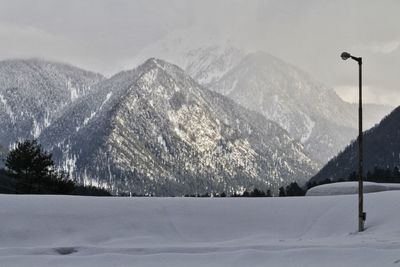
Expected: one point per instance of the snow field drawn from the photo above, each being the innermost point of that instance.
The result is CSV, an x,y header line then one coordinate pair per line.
x,y
303,231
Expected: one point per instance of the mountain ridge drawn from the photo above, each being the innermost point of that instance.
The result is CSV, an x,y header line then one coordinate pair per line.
x,y
166,119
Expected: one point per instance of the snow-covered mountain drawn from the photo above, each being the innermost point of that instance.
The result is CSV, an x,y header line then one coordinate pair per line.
x,y
154,130
308,110
34,92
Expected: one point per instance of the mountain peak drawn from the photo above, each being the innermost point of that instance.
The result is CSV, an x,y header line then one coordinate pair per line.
x,y
156,63
154,130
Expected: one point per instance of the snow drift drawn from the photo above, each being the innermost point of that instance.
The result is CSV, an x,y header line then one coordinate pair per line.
x,y
349,188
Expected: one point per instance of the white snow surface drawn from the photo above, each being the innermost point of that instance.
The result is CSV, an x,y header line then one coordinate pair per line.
x,y
299,231
349,188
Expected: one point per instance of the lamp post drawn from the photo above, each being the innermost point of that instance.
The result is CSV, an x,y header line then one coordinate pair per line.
x,y
361,213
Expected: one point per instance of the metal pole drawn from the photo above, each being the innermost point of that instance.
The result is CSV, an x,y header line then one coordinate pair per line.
x,y
361,214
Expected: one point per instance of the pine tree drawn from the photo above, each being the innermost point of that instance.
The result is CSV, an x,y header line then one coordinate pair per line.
x,y
29,165
34,171
294,190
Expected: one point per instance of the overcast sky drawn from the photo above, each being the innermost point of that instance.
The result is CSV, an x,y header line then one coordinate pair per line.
x,y
100,35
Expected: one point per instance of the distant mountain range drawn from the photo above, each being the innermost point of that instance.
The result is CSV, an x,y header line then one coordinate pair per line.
x,y
312,113
246,120
381,149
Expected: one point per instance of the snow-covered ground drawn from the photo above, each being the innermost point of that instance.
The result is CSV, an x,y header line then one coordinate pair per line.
x,y
304,231
349,188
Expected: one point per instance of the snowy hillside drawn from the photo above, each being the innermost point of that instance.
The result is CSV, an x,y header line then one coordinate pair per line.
x,y
34,92
305,231
154,130
381,150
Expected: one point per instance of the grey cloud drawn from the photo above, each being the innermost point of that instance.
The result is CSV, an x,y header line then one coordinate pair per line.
x,y
101,34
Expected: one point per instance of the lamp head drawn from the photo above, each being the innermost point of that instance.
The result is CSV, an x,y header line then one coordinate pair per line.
x,y
345,55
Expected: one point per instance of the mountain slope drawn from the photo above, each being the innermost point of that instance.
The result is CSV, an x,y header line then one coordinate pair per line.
x,y
33,93
381,149
154,130
309,111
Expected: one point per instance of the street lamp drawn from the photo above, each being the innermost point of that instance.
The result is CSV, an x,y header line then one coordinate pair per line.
x,y
361,213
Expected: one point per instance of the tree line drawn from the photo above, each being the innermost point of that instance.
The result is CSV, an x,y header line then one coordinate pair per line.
x,y
291,190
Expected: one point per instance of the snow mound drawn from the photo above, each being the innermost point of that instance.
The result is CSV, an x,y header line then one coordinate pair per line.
x,y
299,231
349,188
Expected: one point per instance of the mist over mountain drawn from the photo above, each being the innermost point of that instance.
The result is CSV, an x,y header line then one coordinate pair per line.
x,y
154,130
309,111
206,58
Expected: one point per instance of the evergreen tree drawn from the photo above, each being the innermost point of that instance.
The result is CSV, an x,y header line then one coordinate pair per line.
x,y
294,190
29,165
7,183
257,193
246,194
